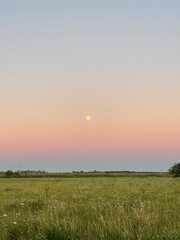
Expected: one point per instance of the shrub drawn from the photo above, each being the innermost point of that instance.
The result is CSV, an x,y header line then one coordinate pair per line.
x,y
175,170
9,173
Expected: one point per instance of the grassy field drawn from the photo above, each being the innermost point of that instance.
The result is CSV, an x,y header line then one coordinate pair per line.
x,y
90,208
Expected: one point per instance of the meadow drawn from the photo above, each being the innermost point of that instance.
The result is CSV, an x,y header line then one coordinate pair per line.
x,y
104,208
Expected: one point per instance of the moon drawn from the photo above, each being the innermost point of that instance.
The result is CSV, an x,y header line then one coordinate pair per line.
x,y
88,118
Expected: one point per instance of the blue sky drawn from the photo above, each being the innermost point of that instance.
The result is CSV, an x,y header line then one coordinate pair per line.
x,y
115,60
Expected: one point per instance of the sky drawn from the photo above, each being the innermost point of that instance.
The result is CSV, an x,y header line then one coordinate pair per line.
x,y
117,61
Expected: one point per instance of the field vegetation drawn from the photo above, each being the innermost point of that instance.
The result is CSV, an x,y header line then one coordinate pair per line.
x,y
101,208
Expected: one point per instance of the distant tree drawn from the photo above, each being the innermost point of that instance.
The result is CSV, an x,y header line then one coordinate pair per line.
x,y
16,174
175,170
9,173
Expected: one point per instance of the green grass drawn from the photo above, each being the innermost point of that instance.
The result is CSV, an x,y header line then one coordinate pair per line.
x,y
90,208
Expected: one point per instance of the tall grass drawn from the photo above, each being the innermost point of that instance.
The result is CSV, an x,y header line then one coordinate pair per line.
x,y
90,208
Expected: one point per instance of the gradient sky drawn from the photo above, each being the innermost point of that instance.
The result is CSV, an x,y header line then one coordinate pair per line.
x,y
117,61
